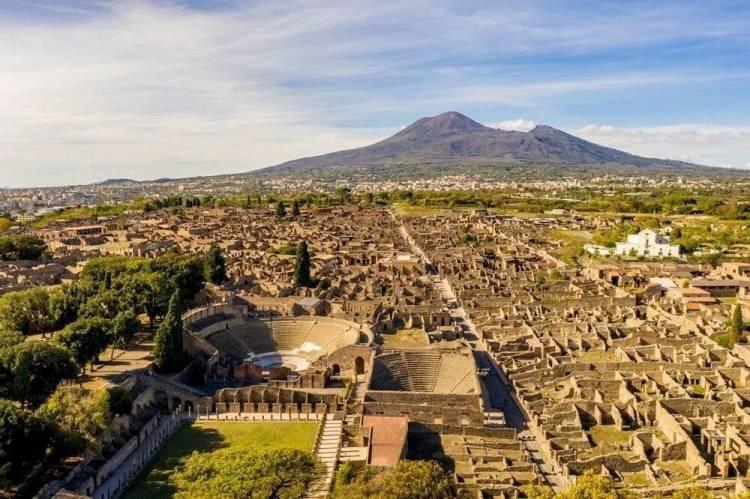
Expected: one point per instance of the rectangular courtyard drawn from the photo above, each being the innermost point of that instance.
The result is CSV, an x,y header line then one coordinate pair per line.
x,y
153,482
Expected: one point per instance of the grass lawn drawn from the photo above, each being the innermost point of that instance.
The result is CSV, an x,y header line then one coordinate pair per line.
x,y
636,479
678,471
722,340
408,210
153,482
405,338
609,434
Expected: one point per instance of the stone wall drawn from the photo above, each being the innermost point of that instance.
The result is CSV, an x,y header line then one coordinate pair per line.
x,y
453,410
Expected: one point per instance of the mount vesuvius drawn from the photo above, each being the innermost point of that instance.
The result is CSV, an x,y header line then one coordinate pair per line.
x,y
454,139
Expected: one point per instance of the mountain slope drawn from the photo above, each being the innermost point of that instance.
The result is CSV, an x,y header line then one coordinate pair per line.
x,y
454,138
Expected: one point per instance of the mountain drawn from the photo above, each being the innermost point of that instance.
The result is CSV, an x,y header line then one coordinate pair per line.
x,y
452,138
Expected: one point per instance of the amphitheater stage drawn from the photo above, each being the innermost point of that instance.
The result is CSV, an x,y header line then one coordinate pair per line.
x,y
291,360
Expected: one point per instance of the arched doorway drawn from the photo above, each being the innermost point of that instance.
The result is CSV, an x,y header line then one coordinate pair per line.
x,y
335,370
176,403
359,366
189,406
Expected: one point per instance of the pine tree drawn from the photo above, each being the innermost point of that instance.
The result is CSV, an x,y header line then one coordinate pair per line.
x,y
295,208
163,350
214,265
302,266
736,325
280,209
22,376
168,350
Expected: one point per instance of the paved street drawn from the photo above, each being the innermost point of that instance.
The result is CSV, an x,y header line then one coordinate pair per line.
x,y
495,390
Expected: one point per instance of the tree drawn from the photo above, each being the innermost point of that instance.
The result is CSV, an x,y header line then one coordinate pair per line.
x,y
278,474
124,327
48,364
214,265
185,272
587,486
295,209
693,493
120,401
280,209
25,311
163,350
104,304
736,325
342,193
406,480
85,339
21,372
83,414
21,248
302,266
64,304
150,292
10,338
24,440
415,480
168,350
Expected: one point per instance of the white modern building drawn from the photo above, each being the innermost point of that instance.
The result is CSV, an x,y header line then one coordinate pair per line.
x,y
646,243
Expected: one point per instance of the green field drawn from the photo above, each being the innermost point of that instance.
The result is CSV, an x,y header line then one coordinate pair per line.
x,y
153,483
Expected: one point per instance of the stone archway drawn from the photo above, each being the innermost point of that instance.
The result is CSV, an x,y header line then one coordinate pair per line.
x,y
335,370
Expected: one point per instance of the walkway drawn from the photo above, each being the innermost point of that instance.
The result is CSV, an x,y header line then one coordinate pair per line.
x,y
327,450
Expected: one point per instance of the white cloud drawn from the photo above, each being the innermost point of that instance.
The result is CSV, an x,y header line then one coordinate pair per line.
x,y
520,125
149,88
702,144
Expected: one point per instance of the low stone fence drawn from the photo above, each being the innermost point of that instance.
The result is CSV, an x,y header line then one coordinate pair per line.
x,y
133,457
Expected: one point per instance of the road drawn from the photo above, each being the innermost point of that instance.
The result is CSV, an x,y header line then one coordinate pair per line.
x,y
496,392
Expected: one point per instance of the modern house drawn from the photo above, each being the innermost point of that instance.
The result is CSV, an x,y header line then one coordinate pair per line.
x,y
648,243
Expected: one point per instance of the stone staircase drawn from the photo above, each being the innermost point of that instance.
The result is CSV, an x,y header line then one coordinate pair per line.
x,y
327,450
355,403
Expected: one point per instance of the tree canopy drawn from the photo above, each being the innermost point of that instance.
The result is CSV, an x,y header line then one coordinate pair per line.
x,y
46,362
21,247
82,414
85,339
105,287
587,486
25,311
24,441
282,474
405,480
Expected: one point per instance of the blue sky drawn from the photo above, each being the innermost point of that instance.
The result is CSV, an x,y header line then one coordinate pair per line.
x,y
93,89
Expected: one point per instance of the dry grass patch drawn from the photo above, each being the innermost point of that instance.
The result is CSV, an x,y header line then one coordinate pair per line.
x,y
405,338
